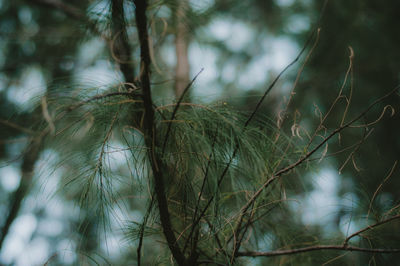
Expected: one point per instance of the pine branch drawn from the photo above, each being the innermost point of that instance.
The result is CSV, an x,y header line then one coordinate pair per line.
x,y
256,109
150,134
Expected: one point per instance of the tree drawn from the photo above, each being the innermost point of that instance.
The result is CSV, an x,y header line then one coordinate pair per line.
x,y
210,182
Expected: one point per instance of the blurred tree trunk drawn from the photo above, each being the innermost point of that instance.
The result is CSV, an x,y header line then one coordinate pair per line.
x,y
121,51
182,67
27,170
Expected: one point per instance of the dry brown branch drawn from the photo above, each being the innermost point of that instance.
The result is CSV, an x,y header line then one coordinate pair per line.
x,y
336,131
353,152
344,246
344,149
338,97
369,227
314,248
380,186
304,158
282,116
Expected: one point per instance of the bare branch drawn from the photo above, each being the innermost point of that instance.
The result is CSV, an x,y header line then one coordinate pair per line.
x,y
272,85
314,248
305,157
344,246
370,227
380,186
336,131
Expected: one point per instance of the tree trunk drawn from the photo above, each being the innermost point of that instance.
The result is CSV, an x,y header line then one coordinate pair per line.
x,y
182,67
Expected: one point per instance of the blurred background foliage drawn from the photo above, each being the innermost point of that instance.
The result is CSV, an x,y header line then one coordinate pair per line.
x,y
242,46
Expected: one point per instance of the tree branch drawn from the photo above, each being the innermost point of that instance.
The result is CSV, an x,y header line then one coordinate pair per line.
x,y
344,246
305,157
258,105
150,134
346,241
314,248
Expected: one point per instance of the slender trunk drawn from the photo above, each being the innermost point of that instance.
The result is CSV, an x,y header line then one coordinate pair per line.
x,y
150,134
182,67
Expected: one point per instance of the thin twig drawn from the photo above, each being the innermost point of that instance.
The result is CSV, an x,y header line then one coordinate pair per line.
x,y
338,97
307,155
314,248
369,227
268,90
358,146
202,189
178,104
282,115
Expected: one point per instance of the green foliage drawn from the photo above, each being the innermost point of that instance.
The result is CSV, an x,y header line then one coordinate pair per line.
x,y
231,186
